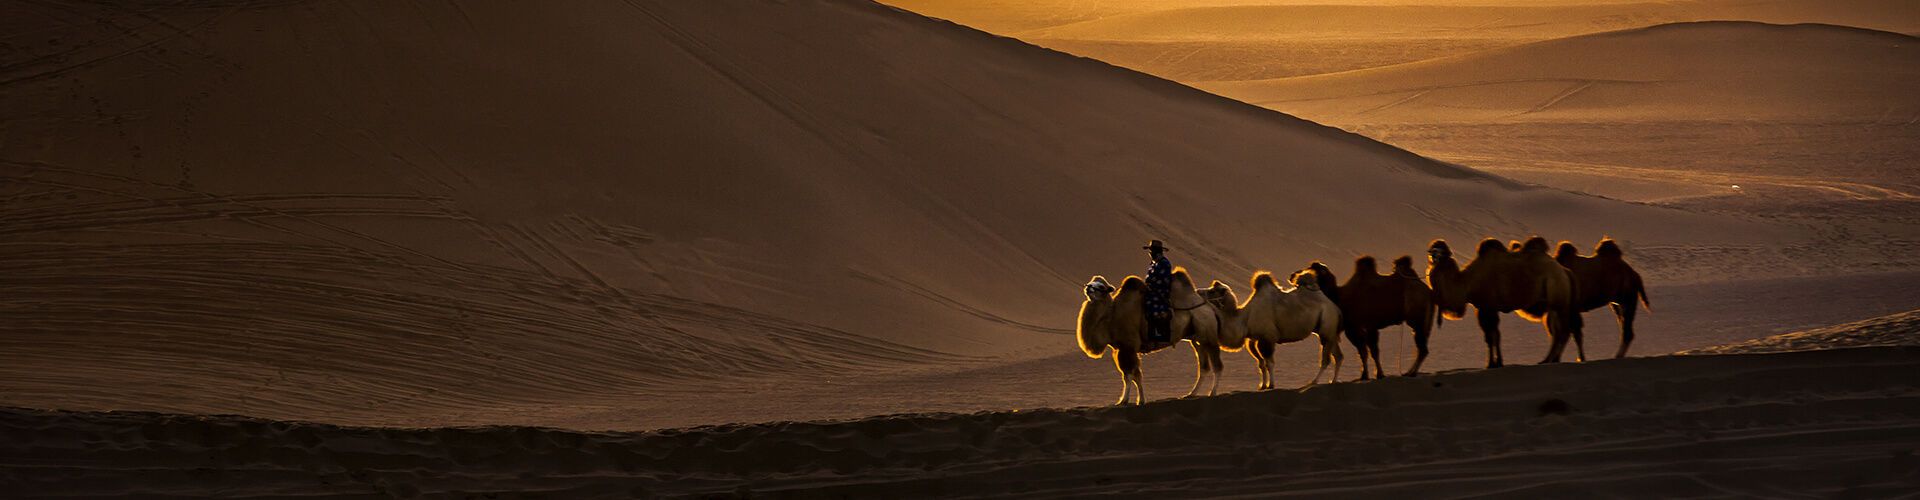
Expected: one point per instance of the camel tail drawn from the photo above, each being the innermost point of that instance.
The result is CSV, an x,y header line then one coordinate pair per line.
x,y
1641,290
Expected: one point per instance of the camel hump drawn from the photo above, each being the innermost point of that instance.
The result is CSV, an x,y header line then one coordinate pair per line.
x,y
1133,283
1263,278
1365,264
1566,251
1181,279
1535,244
1608,248
1491,246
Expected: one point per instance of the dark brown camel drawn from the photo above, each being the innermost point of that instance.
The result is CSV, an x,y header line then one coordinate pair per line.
x,y
1605,279
1370,301
1500,280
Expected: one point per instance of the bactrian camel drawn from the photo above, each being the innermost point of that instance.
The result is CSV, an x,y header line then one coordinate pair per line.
x,y
1499,280
1605,279
1370,301
1272,316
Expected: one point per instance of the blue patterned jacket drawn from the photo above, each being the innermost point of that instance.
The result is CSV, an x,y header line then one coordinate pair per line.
x,y
1159,287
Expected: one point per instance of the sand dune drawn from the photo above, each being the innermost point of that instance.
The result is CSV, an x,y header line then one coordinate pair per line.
x,y
1687,71
379,213
1838,422
1217,41
1804,119
369,227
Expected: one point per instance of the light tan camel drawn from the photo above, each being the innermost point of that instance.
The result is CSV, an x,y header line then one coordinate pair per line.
x,y
1370,301
1113,318
1501,280
1605,279
1198,322
1272,316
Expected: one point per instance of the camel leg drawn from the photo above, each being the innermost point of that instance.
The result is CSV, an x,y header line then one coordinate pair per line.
x,y
1367,351
1213,359
1373,351
1557,339
1330,346
1200,375
1490,327
1559,332
1625,311
1419,343
1129,364
1329,354
1358,337
1576,324
1263,359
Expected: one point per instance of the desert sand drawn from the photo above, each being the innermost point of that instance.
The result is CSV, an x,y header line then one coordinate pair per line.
x,y
653,248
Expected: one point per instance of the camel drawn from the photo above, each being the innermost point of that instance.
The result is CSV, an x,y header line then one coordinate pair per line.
x,y
1501,280
1113,318
1272,316
1370,301
1605,279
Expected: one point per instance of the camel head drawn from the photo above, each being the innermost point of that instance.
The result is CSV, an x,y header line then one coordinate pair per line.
x,y
1233,324
1403,266
1317,267
1445,278
1099,289
1305,279
1220,296
1328,286
1439,251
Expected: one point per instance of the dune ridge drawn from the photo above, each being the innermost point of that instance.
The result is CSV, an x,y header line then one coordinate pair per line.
x,y
1709,70
1218,41
1744,424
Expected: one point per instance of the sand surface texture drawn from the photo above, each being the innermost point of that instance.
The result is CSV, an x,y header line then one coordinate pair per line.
x,y
291,247
1827,423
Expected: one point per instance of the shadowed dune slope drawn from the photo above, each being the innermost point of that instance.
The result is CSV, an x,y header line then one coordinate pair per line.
x,y
1838,423
1687,71
353,212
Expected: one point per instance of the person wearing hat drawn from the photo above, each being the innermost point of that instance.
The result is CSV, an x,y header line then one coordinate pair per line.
x,y
1159,300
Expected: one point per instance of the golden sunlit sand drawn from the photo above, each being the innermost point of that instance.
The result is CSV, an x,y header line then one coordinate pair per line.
x,y
822,248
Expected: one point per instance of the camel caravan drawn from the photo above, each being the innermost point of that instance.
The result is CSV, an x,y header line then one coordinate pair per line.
x,y
1145,315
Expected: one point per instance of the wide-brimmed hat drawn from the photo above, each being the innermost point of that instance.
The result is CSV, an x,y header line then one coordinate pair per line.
x,y
1155,246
